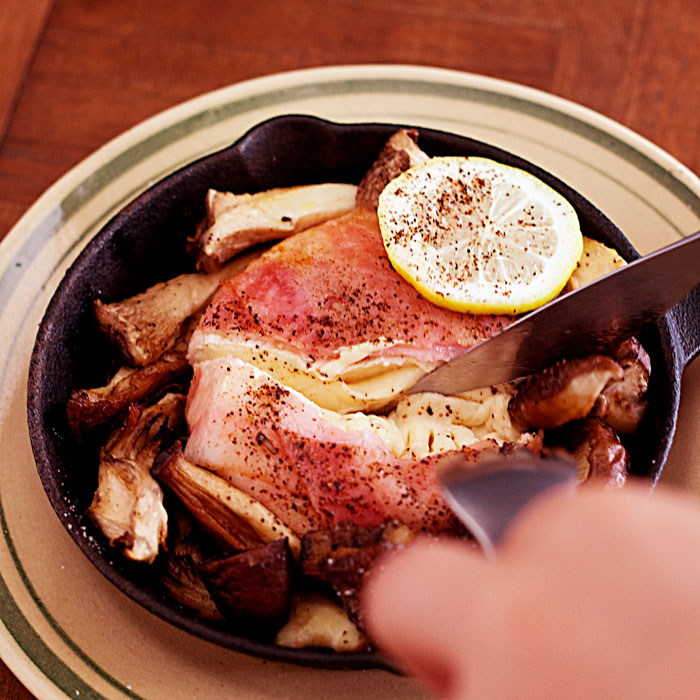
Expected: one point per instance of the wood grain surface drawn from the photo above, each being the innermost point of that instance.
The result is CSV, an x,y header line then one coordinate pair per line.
x,y
76,73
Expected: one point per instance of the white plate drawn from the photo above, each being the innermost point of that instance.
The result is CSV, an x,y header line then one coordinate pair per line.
x,y
67,632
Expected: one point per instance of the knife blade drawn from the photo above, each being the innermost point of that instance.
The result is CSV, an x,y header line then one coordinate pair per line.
x,y
593,318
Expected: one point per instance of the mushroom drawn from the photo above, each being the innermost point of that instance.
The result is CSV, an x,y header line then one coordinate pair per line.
x,y
563,392
622,403
180,573
89,408
602,458
235,222
253,587
235,519
128,504
148,324
341,556
400,153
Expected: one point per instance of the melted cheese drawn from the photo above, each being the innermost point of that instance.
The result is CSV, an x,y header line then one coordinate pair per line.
x,y
596,260
425,424
431,423
356,380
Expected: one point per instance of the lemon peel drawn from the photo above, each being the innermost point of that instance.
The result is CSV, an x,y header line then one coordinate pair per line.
x,y
478,236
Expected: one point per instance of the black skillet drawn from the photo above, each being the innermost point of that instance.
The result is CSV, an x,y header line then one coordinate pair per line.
x,y
145,243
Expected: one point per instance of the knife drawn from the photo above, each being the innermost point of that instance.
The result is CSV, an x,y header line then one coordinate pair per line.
x,y
593,318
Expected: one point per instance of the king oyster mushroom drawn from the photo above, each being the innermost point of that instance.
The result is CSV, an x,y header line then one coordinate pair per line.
x,y
145,326
400,153
235,222
233,518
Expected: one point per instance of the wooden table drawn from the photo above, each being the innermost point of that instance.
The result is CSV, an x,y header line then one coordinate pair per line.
x,y
77,73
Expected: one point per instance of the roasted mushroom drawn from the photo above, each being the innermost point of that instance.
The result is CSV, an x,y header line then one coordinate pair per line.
x,y
235,222
235,519
145,326
341,556
180,571
254,588
563,392
89,408
128,504
399,153
602,458
622,403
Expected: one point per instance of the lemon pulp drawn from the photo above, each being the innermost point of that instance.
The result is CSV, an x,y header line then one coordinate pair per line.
x,y
478,236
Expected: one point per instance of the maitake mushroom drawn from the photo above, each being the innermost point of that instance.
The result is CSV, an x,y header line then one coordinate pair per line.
x,y
179,573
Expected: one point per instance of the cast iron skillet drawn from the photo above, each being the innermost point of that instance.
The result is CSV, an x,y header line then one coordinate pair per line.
x,y
145,243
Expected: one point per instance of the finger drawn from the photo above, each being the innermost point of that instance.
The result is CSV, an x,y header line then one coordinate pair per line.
x,y
423,607
633,518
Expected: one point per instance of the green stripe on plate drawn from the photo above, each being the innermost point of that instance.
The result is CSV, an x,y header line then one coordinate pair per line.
x,y
43,657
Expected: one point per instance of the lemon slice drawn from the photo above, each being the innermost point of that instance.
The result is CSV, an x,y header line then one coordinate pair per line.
x,y
478,236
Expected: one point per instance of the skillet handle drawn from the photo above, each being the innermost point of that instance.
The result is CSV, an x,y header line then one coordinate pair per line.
x,y
685,317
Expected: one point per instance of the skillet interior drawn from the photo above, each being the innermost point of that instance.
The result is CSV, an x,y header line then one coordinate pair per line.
x,y
145,243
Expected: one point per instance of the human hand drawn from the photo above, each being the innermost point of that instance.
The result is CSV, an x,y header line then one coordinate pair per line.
x,y
595,595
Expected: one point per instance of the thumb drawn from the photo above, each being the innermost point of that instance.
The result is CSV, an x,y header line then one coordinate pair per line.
x,y
424,606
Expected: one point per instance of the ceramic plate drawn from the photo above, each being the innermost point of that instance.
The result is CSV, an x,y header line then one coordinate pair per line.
x,y
67,632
